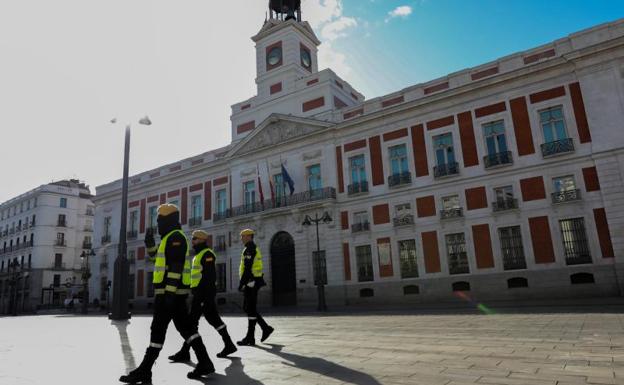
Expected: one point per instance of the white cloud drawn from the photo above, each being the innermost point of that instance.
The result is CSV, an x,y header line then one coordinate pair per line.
x,y
335,29
403,11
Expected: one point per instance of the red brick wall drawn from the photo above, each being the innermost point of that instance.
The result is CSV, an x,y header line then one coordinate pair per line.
x,y
547,94
483,246
393,101
425,206
532,188
522,126
374,144
491,109
355,145
431,251
579,112
344,220
244,127
541,240
381,214
420,150
339,171
184,208
442,122
313,104
208,200
590,175
275,88
467,137
476,198
604,236
395,134
142,216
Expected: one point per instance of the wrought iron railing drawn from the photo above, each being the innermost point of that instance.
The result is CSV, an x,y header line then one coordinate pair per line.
x,y
447,169
403,220
61,224
505,204
566,196
132,234
558,147
272,204
87,245
357,188
400,179
457,212
498,159
60,243
359,227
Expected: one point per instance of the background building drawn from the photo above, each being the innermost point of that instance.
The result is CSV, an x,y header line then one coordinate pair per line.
x,y
43,233
503,180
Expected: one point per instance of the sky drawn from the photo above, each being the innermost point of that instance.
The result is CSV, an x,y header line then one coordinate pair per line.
x,y
67,67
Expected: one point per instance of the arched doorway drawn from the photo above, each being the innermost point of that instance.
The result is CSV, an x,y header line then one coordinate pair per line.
x,y
283,272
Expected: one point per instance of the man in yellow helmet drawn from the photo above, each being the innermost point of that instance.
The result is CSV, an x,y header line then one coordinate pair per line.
x,y
172,280
204,289
251,280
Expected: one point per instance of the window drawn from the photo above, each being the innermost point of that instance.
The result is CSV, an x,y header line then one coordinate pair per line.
x,y
494,134
504,198
220,282
511,248
361,219
174,202
60,239
221,197
153,217
403,210
107,226
575,242
58,261
364,263
398,159
457,257
407,256
220,246
565,183
249,191
63,202
553,124
57,280
443,147
314,178
61,220
450,202
196,206
358,169
29,261
133,221
103,288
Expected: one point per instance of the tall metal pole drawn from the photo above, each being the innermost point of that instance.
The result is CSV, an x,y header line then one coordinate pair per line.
x,y
120,280
85,288
320,284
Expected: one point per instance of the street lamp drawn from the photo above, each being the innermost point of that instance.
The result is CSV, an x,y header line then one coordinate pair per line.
x,y
14,266
86,274
120,275
320,279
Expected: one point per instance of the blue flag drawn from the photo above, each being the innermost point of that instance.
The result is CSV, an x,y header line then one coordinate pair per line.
x,y
287,179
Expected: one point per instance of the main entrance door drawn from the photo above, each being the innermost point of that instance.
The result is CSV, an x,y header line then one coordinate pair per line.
x,y
283,270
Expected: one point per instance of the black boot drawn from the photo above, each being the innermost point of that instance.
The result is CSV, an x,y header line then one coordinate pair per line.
x,y
266,329
229,345
250,339
183,355
204,365
142,374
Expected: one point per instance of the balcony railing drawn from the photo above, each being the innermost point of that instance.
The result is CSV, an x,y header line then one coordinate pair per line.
x,y
558,147
400,179
60,243
132,234
61,224
58,266
359,227
447,169
566,196
357,188
87,245
88,229
498,159
505,204
195,221
403,220
301,198
456,212
106,239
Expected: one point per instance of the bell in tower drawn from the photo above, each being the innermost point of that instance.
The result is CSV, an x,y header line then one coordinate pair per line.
x,y
289,8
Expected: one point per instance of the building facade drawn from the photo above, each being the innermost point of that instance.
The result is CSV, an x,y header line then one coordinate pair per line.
x,y
501,181
43,233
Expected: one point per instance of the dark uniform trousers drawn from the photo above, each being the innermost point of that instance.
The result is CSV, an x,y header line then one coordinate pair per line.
x,y
169,307
206,305
250,302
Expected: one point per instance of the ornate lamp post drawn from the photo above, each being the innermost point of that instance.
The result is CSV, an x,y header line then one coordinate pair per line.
x,y
320,276
86,274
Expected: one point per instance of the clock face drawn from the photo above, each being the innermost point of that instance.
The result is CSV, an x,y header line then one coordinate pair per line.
x,y
274,56
306,59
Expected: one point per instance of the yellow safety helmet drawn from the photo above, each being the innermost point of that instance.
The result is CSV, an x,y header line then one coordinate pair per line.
x,y
167,209
200,234
247,232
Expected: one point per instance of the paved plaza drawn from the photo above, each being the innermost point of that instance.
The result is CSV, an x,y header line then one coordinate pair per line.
x,y
523,348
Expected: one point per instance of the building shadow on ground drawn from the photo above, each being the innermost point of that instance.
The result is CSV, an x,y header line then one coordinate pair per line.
x,y
126,349
321,366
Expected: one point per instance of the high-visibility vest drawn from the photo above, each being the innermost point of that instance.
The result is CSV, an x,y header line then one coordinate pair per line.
x,y
196,269
160,263
256,267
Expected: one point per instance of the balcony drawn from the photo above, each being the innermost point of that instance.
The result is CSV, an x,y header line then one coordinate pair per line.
x,y
447,169
357,188
359,227
558,147
401,179
60,243
87,245
61,224
302,198
498,159
456,212
505,204
106,239
566,196
195,222
58,266
132,234
403,220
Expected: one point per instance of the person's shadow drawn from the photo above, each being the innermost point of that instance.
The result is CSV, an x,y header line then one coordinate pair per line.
x,y
234,375
126,349
321,366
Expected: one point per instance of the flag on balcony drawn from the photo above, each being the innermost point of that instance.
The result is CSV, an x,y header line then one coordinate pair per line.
x,y
288,180
260,186
271,184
